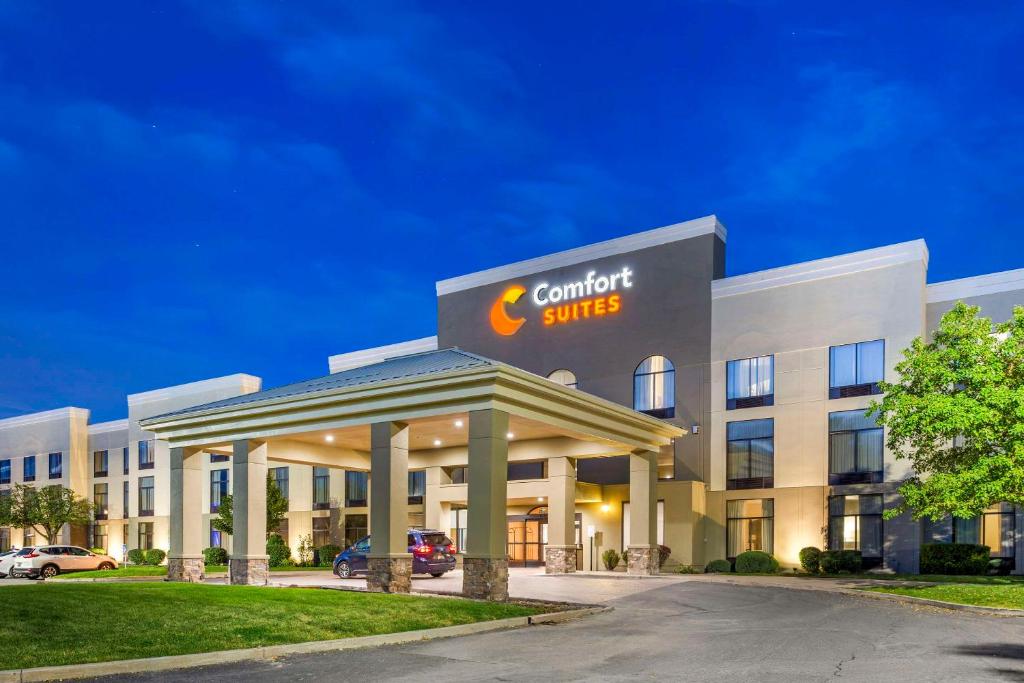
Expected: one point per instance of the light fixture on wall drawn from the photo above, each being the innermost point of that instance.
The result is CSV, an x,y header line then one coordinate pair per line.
x,y
695,429
606,507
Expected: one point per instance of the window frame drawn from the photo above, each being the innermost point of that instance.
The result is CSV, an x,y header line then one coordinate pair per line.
x,y
668,377
101,511
574,384
25,476
351,502
150,461
149,498
736,484
6,468
870,560
417,498
98,457
58,472
770,537
858,476
857,388
752,400
220,486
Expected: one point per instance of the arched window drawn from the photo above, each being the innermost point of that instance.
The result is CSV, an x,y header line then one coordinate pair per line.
x,y
654,387
563,377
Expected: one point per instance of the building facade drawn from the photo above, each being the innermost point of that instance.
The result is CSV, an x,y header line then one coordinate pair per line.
x,y
765,378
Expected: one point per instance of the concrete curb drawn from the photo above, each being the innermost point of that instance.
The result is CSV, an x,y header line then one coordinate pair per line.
x,y
154,664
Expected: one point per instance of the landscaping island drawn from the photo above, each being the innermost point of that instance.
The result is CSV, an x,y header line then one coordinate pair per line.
x,y
64,623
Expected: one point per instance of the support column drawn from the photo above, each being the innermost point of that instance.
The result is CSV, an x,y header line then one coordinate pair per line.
x,y
389,564
560,552
642,553
248,564
433,509
185,555
485,566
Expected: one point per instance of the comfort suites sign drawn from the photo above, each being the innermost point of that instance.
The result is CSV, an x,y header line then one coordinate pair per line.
x,y
593,296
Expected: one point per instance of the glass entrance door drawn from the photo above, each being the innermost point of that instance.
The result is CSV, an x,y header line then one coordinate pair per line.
x,y
527,536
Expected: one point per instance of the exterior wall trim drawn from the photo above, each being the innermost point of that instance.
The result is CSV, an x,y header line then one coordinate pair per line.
x,y
833,266
978,285
651,238
356,359
45,416
248,384
106,427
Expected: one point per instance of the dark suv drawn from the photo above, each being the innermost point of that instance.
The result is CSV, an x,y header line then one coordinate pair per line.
x,y
432,553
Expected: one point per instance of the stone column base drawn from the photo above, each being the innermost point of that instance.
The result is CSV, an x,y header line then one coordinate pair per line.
x,y
389,574
249,571
559,559
642,560
190,569
485,578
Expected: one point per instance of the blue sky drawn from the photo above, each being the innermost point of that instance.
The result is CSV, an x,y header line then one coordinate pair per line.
x,y
194,189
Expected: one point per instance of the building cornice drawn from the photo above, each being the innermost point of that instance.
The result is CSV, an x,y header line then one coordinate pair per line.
x,y
833,266
979,285
245,383
622,245
106,427
69,413
357,359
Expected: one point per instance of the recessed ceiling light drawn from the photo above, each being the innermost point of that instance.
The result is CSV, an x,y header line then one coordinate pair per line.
x,y
329,438
540,499
458,423
437,442
510,435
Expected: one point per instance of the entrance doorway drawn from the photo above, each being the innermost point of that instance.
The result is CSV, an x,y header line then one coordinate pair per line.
x,y
528,536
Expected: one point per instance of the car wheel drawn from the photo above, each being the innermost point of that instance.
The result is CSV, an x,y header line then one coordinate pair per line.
x,y
49,571
343,570
106,566
437,575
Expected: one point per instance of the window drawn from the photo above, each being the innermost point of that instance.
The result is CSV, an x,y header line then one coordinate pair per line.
x,y
100,501
124,538
355,488
56,461
218,488
459,474
145,535
654,387
124,460
28,471
99,536
855,448
856,369
749,526
459,523
855,523
321,532
145,497
659,524
996,528
124,502
28,537
417,486
5,540
99,464
216,540
536,469
750,454
280,476
146,461
750,382
355,528
5,471
564,377
217,457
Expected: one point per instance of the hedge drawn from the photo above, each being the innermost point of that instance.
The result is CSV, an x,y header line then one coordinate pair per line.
x,y
155,556
841,561
327,554
954,558
810,559
136,556
756,562
217,556
718,567
279,552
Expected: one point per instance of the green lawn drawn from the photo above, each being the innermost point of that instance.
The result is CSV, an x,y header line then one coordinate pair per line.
x,y
66,623
1009,594
145,570
931,578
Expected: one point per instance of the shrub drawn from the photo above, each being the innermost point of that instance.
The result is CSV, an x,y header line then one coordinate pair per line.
x,y
756,562
664,552
718,567
155,556
610,558
215,556
841,561
688,569
98,551
279,552
327,554
305,551
954,558
810,559
136,556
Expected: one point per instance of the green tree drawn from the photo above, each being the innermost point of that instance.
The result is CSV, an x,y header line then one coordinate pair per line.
x,y
957,414
277,509
46,509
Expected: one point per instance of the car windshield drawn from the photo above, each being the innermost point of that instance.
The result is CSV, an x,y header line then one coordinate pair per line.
x,y
436,539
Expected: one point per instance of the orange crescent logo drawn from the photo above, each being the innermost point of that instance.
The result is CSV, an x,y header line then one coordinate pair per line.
x,y
500,321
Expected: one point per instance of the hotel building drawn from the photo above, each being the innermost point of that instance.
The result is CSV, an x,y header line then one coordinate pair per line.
x,y
620,395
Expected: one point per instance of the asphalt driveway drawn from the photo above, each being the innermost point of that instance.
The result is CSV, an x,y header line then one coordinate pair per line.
x,y
690,630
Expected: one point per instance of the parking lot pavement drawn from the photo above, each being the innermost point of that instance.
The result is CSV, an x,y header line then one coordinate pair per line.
x,y
694,631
